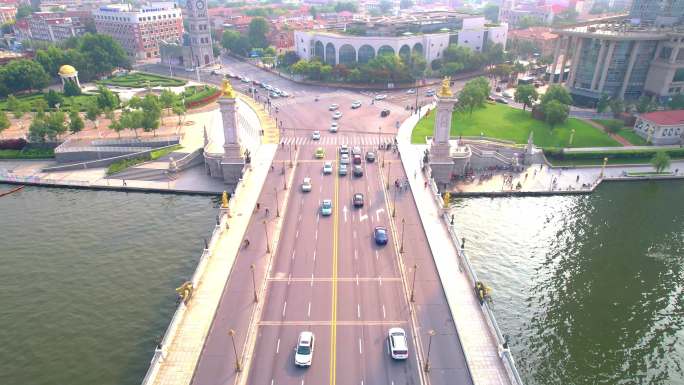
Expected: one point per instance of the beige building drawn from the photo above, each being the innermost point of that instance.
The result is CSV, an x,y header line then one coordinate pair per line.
x,y
661,127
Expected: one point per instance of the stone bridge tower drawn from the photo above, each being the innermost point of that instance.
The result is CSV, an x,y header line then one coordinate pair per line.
x,y
441,163
232,162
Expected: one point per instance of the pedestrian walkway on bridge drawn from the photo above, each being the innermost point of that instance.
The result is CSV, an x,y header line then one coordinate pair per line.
x,y
338,139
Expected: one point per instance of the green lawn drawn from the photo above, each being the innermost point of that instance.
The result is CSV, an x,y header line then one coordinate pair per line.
x,y
504,122
142,79
625,132
80,101
35,153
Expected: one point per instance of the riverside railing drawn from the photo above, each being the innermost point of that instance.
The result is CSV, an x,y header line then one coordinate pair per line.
x,y
11,178
506,356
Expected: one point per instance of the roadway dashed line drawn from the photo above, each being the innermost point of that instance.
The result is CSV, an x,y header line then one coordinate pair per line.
x,y
384,315
278,346
308,312
342,279
329,323
284,308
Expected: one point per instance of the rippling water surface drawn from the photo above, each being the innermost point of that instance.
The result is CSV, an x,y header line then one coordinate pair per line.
x,y
588,288
87,281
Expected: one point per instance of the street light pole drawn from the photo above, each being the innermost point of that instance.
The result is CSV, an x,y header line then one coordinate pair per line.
x,y
403,223
275,191
427,360
256,297
413,283
268,246
389,166
238,366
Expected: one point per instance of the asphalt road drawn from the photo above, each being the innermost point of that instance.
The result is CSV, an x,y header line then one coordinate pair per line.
x,y
331,262
327,275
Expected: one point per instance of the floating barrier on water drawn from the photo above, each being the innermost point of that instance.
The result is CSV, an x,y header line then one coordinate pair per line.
x,y
2,194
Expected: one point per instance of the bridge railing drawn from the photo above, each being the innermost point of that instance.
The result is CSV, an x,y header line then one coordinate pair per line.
x,y
464,261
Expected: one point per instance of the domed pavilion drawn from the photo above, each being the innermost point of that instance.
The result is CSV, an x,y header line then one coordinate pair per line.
x,y
68,73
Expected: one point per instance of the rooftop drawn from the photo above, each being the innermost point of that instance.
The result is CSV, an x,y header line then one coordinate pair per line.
x,y
665,118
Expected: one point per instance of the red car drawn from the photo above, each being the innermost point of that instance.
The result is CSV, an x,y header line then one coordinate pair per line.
x,y
357,159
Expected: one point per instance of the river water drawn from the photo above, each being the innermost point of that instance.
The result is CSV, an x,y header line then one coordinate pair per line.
x,y
589,289
87,281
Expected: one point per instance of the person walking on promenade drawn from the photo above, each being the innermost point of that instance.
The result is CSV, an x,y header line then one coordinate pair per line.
x,y
267,211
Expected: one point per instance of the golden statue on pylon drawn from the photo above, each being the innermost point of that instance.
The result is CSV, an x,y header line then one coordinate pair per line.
x,y
445,91
185,291
224,200
227,90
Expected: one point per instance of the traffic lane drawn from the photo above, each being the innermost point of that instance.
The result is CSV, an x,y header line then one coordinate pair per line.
x,y
371,299
297,300
379,367
274,356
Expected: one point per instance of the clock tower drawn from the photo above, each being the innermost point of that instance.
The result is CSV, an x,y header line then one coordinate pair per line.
x,y
199,33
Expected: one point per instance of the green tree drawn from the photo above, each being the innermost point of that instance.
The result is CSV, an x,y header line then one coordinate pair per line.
x,y
23,11
167,99
75,122
526,94
677,102
115,125
229,38
603,103
56,124
348,6
491,12
151,109
384,6
37,130
12,104
617,106
92,112
417,66
71,88
555,112
179,110
132,120
528,21
4,122
314,12
660,161
556,92
40,105
22,75
103,52
645,104
53,98
474,94
258,29
106,99
289,58
403,4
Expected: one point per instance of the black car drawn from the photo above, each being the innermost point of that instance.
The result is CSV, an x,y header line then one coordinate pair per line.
x,y
370,157
384,113
357,200
357,171
380,235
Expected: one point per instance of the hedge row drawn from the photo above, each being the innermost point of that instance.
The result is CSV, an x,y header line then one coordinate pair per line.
x,y
27,154
138,80
557,153
12,144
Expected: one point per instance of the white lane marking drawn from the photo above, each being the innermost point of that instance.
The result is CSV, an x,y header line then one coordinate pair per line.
x,y
293,253
354,234
300,218
318,217
377,213
278,346
380,279
297,234
289,279
361,382
383,312
358,310
312,279
284,307
357,280
356,254
272,381
316,234
314,255
377,256
308,312
360,349
370,202
344,210
363,217
303,382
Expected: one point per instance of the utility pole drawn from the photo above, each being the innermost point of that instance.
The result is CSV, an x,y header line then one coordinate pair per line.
x,y
256,297
268,246
431,333
413,283
238,366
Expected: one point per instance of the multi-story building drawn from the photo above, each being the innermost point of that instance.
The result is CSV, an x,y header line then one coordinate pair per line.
x,y
139,30
541,37
7,14
52,27
512,12
620,60
658,12
195,48
427,34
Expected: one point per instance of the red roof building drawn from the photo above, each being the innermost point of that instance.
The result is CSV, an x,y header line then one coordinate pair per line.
x,y
661,127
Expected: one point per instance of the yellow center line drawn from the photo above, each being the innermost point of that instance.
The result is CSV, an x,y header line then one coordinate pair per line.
x,y
333,325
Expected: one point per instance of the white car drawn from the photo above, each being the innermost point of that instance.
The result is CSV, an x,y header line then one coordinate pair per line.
x,y
337,115
327,168
306,184
246,80
305,349
507,94
430,92
333,107
398,344
380,97
334,126
356,104
344,159
316,135
326,207
411,91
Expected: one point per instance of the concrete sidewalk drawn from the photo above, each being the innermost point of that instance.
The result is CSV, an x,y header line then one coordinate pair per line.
x,y
479,344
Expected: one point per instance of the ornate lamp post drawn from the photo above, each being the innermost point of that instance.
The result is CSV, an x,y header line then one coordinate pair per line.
x,y
431,333
238,366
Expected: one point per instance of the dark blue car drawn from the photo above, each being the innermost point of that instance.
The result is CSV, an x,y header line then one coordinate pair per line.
x,y
380,235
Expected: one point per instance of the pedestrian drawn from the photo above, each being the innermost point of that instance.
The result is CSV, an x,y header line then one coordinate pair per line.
x,y
415,174
271,167
577,180
124,182
267,212
425,184
258,206
525,175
